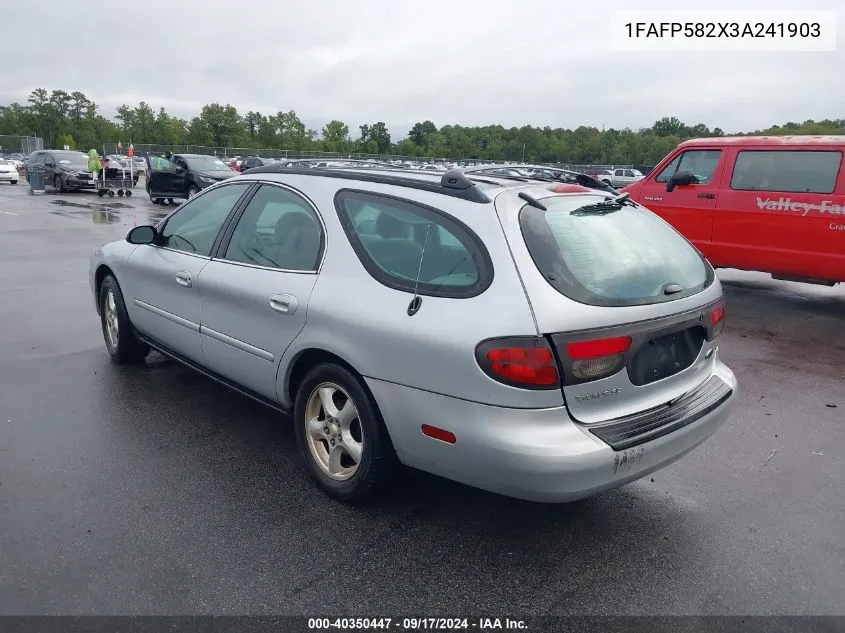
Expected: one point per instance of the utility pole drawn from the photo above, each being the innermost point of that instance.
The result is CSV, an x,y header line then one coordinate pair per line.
x,y
523,152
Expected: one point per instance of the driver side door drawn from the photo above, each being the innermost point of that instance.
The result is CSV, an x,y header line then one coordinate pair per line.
x,y
689,208
165,178
160,280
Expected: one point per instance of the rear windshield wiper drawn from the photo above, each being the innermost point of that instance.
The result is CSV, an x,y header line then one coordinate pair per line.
x,y
599,208
608,205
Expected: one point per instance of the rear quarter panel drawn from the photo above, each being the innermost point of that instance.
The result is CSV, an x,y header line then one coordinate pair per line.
x,y
366,323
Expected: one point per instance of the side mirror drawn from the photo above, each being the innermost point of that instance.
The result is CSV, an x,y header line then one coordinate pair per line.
x,y
142,235
681,179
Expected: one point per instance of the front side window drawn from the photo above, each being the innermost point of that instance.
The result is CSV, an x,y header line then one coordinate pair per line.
x,y
279,229
789,171
159,163
701,162
620,257
399,240
193,228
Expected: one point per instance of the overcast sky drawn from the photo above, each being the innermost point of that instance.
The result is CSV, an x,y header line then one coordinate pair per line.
x,y
538,62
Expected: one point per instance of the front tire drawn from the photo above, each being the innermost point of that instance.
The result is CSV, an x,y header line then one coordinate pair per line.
x,y
341,434
14,182
121,343
192,191
59,184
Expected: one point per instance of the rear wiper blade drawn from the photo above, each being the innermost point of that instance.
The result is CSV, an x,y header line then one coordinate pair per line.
x,y
599,208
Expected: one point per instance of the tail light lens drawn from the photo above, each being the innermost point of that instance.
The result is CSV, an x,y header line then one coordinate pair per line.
x,y
598,358
526,362
716,322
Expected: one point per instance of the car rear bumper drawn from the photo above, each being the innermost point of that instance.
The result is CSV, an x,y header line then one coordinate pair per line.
x,y
534,454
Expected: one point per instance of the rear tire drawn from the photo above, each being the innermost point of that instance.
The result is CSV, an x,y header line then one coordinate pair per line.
x,y
358,431
121,343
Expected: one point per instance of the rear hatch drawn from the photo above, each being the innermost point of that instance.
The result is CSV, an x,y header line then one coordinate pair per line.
x,y
630,308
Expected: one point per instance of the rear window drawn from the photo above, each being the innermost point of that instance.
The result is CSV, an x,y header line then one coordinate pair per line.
x,y
793,171
624,257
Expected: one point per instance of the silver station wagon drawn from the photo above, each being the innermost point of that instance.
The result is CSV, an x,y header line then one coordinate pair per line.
x,y
539,339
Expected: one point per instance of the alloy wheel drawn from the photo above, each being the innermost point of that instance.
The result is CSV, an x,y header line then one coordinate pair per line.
x,y
333,431
110,325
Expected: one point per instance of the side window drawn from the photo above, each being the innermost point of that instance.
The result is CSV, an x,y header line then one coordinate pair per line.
x,y
629,173
701,162
195,225
278,228
159,163
789,171
619,172
389,236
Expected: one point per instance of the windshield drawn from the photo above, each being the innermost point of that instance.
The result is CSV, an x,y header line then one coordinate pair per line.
x,y
206,163
71,158
611,254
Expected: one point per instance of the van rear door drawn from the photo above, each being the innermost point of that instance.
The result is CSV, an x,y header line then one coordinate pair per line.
x,y
690,209
782,211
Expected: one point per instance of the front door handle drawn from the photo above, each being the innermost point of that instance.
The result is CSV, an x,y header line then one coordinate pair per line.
x,y
183,278
708,196
284,303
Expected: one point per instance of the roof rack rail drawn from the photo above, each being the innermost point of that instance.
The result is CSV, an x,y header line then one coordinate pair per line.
x,y
453,183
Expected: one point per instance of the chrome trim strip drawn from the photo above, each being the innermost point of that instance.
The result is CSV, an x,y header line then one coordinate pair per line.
x,y
237,344
194,327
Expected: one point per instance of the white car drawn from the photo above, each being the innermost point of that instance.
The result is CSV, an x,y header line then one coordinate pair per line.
x,y
9,172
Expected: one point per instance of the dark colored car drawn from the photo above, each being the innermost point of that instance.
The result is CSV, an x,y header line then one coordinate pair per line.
x,y
256,161
64,170
183,175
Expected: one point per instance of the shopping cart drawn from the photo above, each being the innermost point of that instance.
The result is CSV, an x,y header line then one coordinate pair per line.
x,y
114,179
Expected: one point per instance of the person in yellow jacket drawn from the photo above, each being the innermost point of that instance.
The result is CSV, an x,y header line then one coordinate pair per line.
x,y
94,164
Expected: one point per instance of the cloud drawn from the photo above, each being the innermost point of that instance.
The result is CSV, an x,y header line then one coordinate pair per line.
x,y
537,62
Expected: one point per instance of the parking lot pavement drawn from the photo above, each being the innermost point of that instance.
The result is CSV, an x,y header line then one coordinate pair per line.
x,y
152,490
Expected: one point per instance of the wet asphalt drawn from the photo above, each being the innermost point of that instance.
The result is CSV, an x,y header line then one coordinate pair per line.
x,y
152,490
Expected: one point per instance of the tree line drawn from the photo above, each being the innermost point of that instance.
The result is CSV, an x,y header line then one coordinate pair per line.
x,y
73,119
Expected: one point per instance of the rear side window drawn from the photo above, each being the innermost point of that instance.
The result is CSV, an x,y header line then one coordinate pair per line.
x,y
624,257
793,171
396,240
701,162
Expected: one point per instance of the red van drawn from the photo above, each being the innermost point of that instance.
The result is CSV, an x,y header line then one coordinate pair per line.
x,y
770,203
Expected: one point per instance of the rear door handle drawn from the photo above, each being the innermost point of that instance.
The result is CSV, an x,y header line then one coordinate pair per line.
x,y
184,278
709,196
284,303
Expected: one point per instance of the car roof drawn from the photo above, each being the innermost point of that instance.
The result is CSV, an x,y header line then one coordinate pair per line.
x,y
481,188
752,141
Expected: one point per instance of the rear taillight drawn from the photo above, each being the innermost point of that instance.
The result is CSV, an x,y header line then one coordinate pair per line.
x,y
598,358
526,362
716,322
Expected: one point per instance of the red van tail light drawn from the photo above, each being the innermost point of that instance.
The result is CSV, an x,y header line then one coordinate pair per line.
x,y
598,358
526,362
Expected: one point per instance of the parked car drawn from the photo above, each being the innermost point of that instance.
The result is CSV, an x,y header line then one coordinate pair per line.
x,y
255,161
368,305
65,170
183,176
619,178
8,172
772,204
